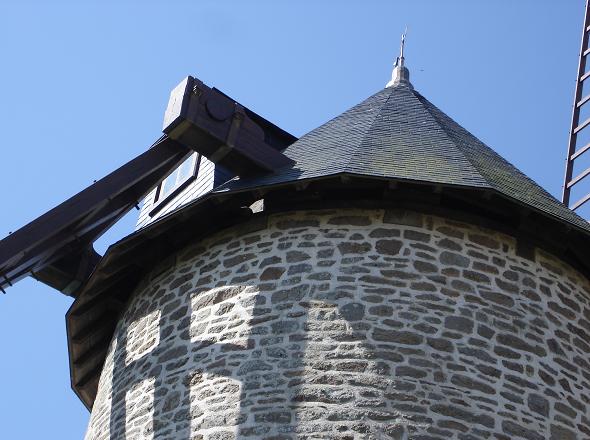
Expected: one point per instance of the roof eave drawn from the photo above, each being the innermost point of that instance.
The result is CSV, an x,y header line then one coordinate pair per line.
x,y
129,260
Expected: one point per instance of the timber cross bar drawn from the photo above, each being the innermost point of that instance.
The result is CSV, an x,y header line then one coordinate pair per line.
x,y
56,248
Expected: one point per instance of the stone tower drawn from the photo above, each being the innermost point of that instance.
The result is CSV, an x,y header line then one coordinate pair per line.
x,y
399,281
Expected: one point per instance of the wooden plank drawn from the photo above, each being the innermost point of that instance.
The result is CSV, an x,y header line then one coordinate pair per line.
x,y
583,101
578,177
581,202
582,126
581,151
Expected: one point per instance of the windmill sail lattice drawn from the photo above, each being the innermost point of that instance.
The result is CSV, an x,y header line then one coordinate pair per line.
x,y
579,125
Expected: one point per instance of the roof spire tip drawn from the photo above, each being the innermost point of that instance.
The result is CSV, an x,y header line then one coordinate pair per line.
x,y
400,74
401,47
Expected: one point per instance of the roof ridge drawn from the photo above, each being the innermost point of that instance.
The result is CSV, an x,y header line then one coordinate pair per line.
x,y
424,113
427,104
363,138
487,172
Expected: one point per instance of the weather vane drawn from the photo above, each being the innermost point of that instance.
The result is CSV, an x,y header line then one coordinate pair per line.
x,y
400,59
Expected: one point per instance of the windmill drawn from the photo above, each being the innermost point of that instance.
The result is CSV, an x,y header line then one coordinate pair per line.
x,y
326,233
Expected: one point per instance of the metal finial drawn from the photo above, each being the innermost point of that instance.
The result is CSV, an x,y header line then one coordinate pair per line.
x,y
400,74
401,46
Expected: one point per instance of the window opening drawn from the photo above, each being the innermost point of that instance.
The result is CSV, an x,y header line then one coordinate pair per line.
x,y
181,175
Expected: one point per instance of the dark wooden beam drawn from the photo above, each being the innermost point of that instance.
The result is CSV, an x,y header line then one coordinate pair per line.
x,y
72,226
69,273
224,131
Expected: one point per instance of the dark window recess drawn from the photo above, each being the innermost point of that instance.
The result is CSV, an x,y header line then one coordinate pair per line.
x,y
178,180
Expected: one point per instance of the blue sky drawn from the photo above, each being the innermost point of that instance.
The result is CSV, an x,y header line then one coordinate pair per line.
x,y
84,85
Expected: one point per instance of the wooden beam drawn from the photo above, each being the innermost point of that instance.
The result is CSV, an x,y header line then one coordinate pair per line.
x,y
88,214
225,132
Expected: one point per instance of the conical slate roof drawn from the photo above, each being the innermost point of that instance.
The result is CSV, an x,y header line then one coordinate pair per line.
x,y
398,134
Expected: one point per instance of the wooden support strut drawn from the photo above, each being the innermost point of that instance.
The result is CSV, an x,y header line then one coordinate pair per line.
x,y
56,246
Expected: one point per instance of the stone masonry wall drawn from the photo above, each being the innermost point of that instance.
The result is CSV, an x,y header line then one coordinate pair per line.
x,y
351,324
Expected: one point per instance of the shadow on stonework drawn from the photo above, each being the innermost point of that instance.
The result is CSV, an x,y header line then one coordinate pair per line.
x,y
290,369
161,378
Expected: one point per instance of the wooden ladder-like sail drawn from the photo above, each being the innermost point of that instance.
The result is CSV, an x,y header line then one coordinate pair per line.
x,y
575,151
